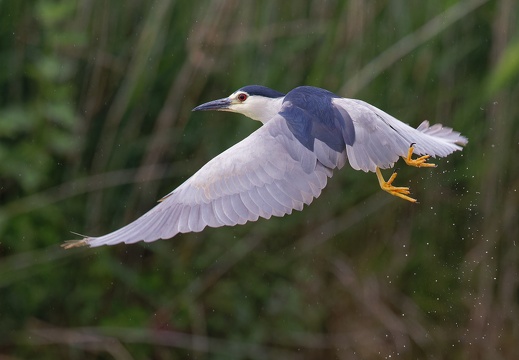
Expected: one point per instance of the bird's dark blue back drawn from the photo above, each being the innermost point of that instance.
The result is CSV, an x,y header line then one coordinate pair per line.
x,y
310,115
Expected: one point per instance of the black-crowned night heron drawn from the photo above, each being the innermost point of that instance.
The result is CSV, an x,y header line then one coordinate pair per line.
x,y
285,164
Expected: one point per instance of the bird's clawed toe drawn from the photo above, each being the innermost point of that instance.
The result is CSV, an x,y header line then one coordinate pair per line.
x,y
419,162
400,191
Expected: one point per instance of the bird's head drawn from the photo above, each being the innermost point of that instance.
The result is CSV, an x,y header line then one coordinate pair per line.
x,y
254,101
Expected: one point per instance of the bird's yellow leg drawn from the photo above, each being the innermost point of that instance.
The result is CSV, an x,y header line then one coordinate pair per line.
x,y
419,162
399,191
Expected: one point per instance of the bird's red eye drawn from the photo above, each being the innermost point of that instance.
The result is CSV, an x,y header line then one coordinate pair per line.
x,y
242,97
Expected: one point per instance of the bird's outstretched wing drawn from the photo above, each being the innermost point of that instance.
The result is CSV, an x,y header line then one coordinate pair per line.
x,y
380,139
268,173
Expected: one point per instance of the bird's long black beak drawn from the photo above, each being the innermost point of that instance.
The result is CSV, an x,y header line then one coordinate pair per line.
x,y
220,104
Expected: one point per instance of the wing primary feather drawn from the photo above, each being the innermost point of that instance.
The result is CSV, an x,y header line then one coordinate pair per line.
x,y
288,188
277,208
219,212
240,209
279,195
229,210
208,216
294,195
171,227
183,221
266,210
154,231
250,204
195,222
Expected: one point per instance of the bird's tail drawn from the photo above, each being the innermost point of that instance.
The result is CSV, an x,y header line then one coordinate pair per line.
x,y
437,140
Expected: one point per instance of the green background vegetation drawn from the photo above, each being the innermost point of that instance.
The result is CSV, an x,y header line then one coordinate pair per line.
x,y
96,124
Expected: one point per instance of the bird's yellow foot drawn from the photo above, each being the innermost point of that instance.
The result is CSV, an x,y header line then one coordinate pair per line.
x,y
399,191
419,162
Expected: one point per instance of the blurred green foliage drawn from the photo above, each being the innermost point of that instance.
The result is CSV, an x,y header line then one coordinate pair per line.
x,y
96,123
506,71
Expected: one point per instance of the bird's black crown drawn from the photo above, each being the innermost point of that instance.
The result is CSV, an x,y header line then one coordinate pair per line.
x,y
261,91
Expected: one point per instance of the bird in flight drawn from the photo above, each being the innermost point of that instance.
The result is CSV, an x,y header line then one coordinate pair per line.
x,y
306,134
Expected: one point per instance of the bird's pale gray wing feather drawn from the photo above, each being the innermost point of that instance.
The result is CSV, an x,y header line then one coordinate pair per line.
x,y
380,139
269,173
327,156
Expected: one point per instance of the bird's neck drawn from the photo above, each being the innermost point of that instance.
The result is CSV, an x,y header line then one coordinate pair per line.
x,y
263,109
